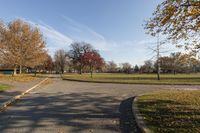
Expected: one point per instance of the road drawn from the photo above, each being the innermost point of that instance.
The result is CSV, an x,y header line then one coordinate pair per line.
x,y
73,107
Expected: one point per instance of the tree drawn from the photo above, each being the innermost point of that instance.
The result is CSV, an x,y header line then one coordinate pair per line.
x,y
48,64
111,66
126,67
186,63
92,60
77,50
179,21
166,64
147,67
136,69
21,45
178,62
61,60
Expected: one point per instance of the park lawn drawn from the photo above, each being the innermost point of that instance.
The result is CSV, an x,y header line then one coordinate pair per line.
x,y
18,78
4,87
172,111
166,79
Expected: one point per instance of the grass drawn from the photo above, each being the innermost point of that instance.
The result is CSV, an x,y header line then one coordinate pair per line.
x,y
4,87
18,78
171,111
166,79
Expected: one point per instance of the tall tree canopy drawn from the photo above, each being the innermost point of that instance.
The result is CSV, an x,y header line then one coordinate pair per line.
x,y
179,21
77,50
21,45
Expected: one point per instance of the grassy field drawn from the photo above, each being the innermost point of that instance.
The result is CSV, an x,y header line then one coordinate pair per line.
x,y
18,78
180,79
171,111
4,87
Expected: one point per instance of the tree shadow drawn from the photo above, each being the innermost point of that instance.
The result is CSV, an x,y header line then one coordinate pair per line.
x,y
127,120
5,96
75,112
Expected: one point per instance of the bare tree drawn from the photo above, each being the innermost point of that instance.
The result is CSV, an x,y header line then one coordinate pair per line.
x,y
157,50
61,60
111,66
126,67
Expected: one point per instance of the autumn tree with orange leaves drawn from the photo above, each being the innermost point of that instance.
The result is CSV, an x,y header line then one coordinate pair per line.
x,y
179,21
21,45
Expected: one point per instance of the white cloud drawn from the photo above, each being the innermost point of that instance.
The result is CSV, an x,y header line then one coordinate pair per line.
x,y
85,33
55,39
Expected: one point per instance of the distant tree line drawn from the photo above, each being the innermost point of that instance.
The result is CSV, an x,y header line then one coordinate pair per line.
x,y
91,60
174,63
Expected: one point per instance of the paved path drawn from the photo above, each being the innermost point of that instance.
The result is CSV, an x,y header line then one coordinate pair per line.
x,y
19,87
73,107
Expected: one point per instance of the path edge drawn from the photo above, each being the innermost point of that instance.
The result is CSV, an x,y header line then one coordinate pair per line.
x,y
110,82
4,105
138,117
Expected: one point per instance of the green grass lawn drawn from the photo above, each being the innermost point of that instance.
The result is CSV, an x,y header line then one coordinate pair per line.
x,y
182,79
4,87
171,111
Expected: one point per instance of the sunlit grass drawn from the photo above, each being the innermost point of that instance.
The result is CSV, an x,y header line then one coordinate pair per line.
x,y
171,111
184,79
18,78
4,87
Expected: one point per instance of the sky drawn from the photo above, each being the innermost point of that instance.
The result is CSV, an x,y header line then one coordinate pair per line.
x,y
114,27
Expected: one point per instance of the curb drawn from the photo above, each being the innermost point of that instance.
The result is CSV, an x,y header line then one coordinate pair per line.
x,y
4,105
139,119
110,82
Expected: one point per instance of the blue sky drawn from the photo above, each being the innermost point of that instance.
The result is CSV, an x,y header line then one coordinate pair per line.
x,y
112,26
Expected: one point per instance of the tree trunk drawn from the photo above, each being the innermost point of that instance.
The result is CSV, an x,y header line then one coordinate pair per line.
x,y
158,58
20,69
158,69
20,65
14,71
80,71
62,71
91,72
174,72
158,74
35,72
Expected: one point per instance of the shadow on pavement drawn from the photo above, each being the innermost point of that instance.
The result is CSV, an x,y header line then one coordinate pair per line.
x,y
79,112
127,120
5,96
